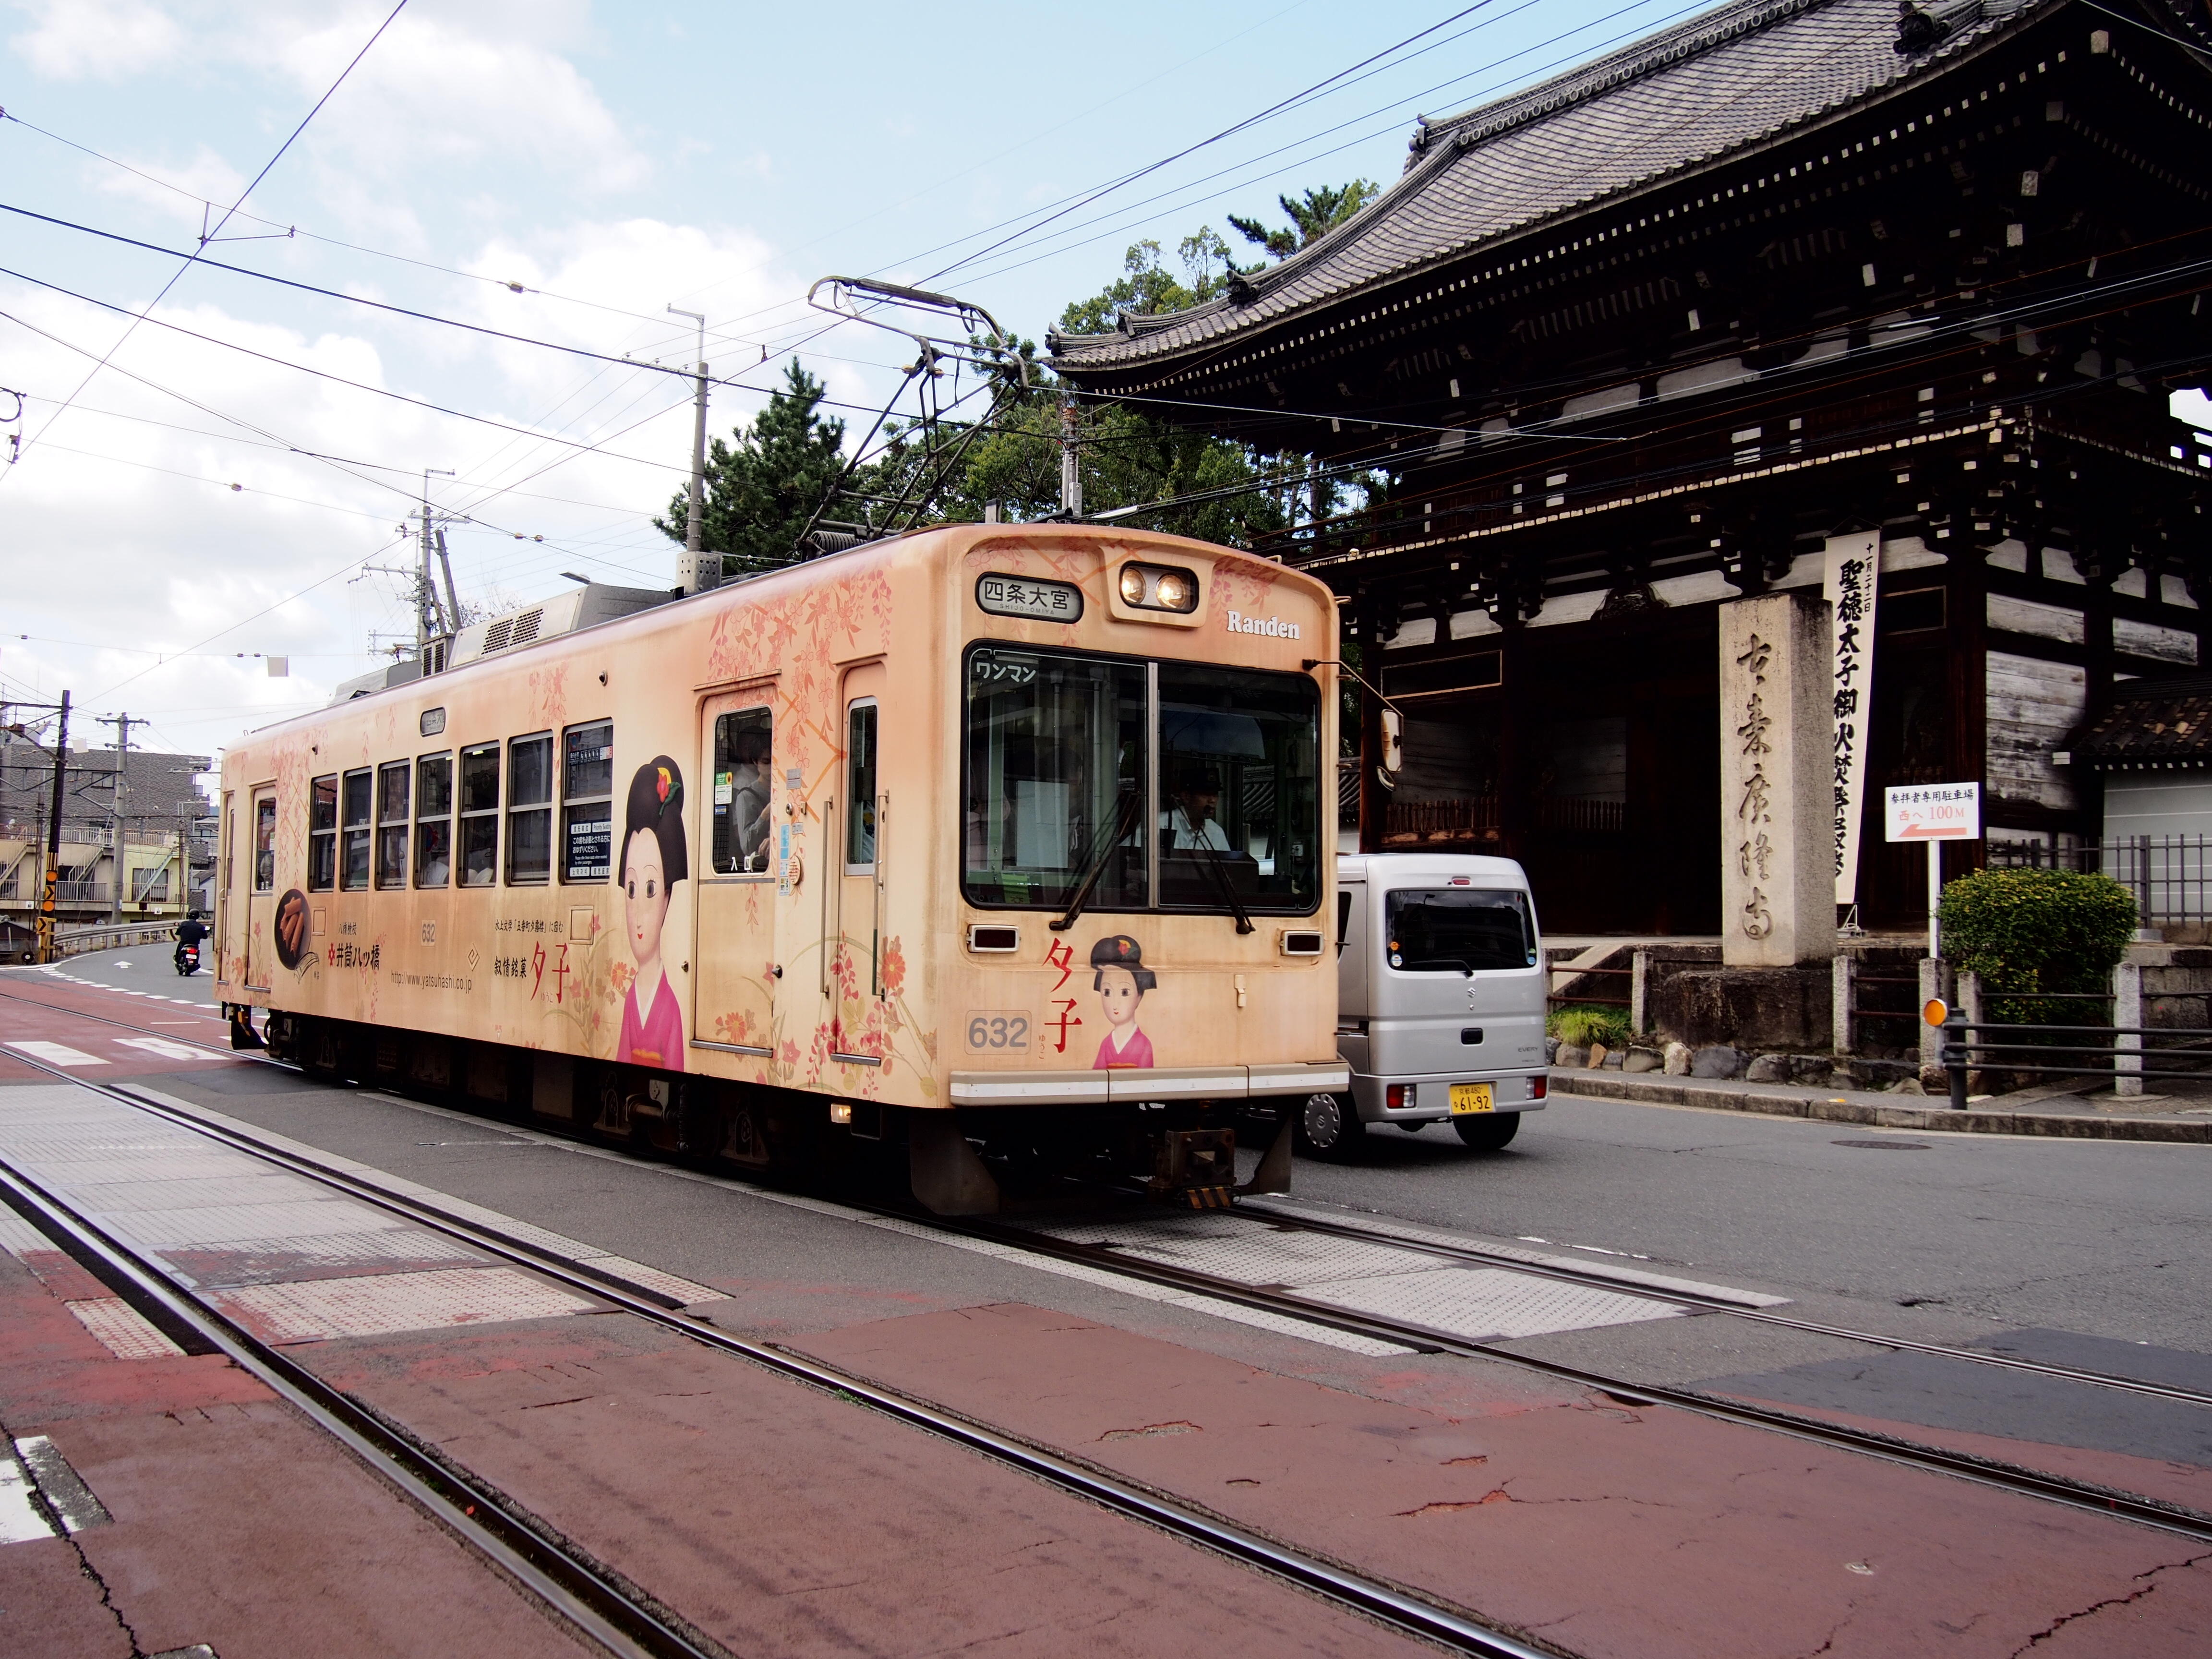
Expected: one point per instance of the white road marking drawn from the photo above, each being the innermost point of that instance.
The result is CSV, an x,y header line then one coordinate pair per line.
x,y
56,1054
62,1486
21,1518
167,1048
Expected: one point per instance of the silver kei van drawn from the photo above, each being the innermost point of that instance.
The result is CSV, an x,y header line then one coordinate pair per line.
x,y
1440,1001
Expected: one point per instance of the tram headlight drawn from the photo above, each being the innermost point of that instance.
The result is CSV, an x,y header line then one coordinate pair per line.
x,y
1159,587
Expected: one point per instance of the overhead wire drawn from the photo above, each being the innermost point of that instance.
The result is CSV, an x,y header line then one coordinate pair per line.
x,y
178,276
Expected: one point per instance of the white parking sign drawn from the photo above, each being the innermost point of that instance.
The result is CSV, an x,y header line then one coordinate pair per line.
x,y
1933,811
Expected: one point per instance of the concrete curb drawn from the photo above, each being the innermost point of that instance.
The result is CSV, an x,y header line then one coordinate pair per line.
x,y
1975,1120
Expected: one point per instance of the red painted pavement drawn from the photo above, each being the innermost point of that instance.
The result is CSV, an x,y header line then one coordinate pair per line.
x,y
1611,1531
2186,1484
40,1008
236,1523
784,1520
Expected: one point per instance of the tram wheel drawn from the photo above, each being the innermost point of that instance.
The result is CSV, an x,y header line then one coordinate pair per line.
x,y
1328,1127
1488,1133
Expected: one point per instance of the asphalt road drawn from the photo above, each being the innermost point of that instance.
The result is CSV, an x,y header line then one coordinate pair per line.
x,y
149,970
2104,1238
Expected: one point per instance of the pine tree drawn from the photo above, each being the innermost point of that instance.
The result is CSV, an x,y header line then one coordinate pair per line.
x,y
1323,211
763,487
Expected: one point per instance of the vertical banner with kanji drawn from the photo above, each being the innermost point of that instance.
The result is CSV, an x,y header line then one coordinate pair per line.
x,y
1853,574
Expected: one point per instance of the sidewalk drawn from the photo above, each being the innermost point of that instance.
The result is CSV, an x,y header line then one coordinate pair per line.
x,y
2039,1111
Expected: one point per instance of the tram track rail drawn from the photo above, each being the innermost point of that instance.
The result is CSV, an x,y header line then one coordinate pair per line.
x,y
1472,1255
2019,1478
591,1595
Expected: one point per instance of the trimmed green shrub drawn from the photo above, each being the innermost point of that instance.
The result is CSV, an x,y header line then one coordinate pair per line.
x,y
1578,1025
2034,934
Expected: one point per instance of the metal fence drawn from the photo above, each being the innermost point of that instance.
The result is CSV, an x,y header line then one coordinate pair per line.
x,y
76,941
2122,1055
2171,876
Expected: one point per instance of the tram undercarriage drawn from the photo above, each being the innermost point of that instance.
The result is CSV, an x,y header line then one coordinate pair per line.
x,y
962,1161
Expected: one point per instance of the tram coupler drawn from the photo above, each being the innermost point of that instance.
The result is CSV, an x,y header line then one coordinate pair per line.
x,y
1195,1169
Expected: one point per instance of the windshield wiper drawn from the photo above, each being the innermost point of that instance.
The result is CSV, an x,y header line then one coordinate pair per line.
x,y
1427,962
1219,866
1094,866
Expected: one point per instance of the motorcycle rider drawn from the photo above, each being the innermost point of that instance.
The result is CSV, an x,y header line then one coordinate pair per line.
x,y
190,931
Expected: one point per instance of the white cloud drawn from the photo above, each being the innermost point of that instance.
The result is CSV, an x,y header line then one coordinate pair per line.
x,y
443,90
466,84
99,39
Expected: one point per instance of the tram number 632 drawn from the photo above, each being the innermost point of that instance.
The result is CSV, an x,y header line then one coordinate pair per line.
x,y
993,1031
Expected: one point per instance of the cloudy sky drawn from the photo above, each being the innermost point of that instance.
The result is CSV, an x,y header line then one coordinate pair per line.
x,y
164,532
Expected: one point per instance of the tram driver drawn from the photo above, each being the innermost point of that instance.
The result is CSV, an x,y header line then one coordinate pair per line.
x,y
1193,821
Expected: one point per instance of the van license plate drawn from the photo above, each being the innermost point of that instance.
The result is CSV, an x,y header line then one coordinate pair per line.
x,y
1468,1098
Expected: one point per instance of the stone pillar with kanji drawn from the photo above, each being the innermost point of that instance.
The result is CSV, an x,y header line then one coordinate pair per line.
x,y
1778,854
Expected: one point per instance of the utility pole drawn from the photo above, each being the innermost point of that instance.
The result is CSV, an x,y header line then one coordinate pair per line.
x,y
54,838
429,625
696,575
122,725
1070,467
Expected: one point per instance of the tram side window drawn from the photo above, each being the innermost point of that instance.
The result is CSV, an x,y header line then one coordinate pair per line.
x,y
392,824
264,845
480,815
322,834
530,810
434,820
587,806
743,754
352,874
860,786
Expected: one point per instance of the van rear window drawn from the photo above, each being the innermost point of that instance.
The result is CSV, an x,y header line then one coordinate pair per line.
x,y
1458,930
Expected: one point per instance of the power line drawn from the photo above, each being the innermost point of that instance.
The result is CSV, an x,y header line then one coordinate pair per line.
x,y
319,373
179,275
291,232
1352,143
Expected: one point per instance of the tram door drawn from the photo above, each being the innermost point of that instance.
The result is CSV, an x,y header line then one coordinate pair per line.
x,y
862,865
735,1002
261,897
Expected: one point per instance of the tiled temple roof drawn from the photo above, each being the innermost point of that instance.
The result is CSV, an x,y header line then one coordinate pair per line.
x,y
1675,101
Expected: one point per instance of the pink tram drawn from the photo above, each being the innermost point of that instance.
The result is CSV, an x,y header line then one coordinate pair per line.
x,y
1001,851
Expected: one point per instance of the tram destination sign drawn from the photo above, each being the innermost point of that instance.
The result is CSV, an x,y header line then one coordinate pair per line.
x,y
1933,811
1027,597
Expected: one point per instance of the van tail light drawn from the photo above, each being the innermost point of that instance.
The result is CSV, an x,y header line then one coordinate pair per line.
x,y
1399,1096
1536,1087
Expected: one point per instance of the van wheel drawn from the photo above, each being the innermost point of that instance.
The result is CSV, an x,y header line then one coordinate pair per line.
x,y
1488,1133
1328,1127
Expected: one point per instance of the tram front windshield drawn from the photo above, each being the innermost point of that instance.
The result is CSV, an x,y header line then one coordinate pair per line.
x,y
1068,793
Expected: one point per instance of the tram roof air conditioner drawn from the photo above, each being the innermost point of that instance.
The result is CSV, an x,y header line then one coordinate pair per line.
x,y
582,607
